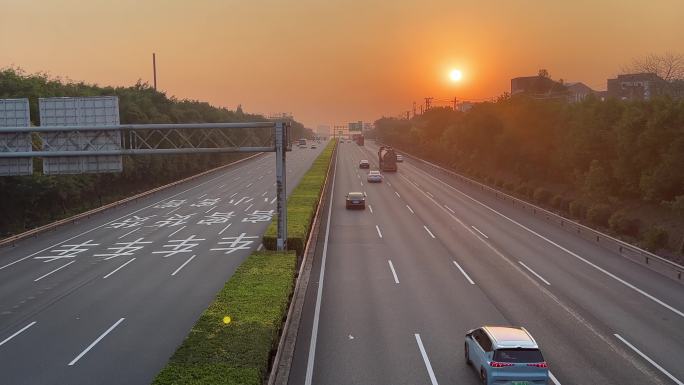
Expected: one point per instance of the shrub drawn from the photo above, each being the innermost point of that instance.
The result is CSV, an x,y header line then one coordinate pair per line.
x,y
577,209
599,214
499,183
556,201
523,190
510,186
655,238
542,195
621,224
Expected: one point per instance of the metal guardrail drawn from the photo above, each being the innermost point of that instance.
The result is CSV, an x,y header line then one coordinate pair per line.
x,y
51,226
655,262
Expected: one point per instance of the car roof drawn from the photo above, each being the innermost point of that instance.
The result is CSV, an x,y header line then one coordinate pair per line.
x,y
355,193
363,161
510,337
374,172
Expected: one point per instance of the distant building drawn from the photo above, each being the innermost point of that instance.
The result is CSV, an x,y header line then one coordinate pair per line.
x,y
578,91
368,126
464,106
340,130
537,86
323,130
642,86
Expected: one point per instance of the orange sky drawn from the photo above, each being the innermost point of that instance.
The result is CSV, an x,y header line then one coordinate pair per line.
x,y
329,61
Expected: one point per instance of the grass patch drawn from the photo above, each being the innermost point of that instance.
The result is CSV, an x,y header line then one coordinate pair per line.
x,y
256,298
301,205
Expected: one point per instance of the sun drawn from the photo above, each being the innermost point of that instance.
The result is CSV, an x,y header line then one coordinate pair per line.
x,y
455,75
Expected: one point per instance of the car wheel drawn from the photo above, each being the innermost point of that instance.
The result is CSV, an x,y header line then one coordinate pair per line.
x,y
483,376
467,355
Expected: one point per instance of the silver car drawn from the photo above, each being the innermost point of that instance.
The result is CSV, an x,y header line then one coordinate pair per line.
x,y
374,176
505,355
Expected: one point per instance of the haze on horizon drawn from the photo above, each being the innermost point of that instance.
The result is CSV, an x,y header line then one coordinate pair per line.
x,y
333,61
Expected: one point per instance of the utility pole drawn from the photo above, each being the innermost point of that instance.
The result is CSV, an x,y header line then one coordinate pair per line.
x,y
421,109
407,115
154,69
455,100
427,103
414,109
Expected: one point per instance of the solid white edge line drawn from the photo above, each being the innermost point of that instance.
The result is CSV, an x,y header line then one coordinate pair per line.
x,y
394,273
17,333
55,270
119,268
183,265
410,209
319,293
103,335
534,272
370,208
431,373
429,232
130,232
604,271
430,194
261,246
463,272
665,372
478,230
174,233
553,378
378,229
449,208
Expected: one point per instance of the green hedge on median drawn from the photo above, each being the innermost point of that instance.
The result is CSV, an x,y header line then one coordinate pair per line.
x,y
301,205
256,298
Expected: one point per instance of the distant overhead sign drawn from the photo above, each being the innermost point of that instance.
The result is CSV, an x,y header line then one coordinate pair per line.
x,y
15,113
86,112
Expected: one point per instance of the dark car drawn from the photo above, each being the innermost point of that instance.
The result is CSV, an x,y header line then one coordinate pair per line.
x,y
364,164
356,200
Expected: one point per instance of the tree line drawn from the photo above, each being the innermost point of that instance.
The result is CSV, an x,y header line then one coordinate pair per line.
x,y
30,201
616,164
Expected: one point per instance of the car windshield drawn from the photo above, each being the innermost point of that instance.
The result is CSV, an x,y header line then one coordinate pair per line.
x,y
364,161
518,355
374,173
355,195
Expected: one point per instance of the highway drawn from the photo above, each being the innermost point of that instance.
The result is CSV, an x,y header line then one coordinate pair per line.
x,y
394,289
107,300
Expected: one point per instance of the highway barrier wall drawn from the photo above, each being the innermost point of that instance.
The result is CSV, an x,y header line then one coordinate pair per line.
x,y
301,205
237,350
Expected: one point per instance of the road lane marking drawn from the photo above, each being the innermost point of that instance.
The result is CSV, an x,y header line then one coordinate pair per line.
x,y
224,229
378,229
397,194
249,185
534,272
201,196
665,372
370,208
183,265
266,199
362,183
261,247
264,194
130,232
249,207
389,184
122,217
221,186
429,232
17,333
207,212
463,272
481,233
431,373
273,200
174,233
394,273
119,268
233,195
173,211
430,194
410,209
103,335
602,270
319,293
553,378
449,208
53,271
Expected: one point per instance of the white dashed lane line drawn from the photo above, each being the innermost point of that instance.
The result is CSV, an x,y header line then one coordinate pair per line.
x,y
397,194
370,208
428,231
53,271
394,272
449,208
645,357
183,265
103,335
464,273
410,209
119,268
431,373
481,233
379,232
534,272
6,340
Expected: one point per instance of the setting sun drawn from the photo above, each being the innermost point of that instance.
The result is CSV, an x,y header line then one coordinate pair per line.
x,y
455,75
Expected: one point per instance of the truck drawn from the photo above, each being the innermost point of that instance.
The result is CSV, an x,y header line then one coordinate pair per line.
x,y
301,143
358,138
387,159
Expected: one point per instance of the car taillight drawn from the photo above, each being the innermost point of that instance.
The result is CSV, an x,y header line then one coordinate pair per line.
x,y
539,365
495,364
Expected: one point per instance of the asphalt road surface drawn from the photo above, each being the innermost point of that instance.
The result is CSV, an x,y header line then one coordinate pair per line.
x,y
394,289
107,300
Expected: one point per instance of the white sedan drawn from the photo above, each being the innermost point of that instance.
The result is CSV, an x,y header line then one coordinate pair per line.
x,y
374,177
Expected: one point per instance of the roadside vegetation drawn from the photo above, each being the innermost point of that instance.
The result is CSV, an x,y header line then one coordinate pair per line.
x,y
615,165
27,202
237,350
301,205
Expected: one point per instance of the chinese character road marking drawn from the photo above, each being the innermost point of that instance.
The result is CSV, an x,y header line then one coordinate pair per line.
x,y
241,242
68,251
126,248
175,220
128,223
178,246
206,202
171,203
216,218
259,216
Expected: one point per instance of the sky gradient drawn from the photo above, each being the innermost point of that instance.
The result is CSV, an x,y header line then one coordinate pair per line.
x,y
330,61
